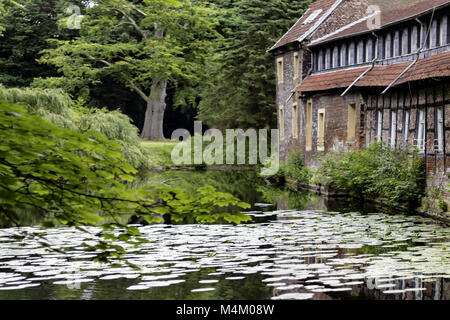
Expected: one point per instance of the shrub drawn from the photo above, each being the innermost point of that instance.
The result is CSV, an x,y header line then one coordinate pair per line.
x,y
296,168
377,171
58,108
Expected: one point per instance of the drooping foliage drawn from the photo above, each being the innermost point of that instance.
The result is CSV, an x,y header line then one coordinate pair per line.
x,y
242,71
80,179
57,107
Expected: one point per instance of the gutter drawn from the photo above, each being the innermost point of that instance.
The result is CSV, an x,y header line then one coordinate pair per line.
x,y
417,55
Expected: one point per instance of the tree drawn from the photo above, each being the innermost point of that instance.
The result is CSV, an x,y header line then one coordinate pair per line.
x,y
242,71
80,179
144,45
4,6
26,30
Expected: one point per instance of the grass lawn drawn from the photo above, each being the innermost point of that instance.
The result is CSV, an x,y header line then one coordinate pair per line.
x,y
160,152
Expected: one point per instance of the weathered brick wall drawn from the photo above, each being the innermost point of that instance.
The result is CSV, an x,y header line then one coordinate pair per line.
x,y
284,92
336,120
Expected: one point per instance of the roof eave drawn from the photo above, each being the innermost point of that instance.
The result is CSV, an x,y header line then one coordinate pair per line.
x,y
382,27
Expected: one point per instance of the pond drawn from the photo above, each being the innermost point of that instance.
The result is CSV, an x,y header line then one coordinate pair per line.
x,y
298,247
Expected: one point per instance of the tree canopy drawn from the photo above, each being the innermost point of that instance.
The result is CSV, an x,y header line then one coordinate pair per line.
x,y
242,70
81,179
146,46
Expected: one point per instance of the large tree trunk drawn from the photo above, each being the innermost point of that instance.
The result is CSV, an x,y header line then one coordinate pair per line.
x,y
154,116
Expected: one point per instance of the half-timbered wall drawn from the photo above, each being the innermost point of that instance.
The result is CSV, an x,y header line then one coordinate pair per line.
x,y
416,117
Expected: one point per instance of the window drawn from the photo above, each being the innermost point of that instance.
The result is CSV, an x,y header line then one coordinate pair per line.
x,y
351,122
320,62
435,37
280,70
443,31
415,39
309,126
393,128
424,40
406,41
397,44
421,132
321,131
406,127
295,121
360,52
448,31
351,54
336,62
440,130
370,50
282,122
388,46
344,55
379,125
296,65
328,59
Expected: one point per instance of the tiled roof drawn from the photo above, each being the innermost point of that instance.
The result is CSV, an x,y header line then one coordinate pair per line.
x,y
301,28
387,17
380,76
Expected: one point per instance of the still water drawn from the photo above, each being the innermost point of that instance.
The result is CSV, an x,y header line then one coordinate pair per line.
x,y
299,246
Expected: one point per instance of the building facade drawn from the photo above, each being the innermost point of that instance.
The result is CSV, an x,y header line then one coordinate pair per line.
x,y
350,73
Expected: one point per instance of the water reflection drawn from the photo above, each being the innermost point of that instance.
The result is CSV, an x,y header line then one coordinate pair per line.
x,y
308,254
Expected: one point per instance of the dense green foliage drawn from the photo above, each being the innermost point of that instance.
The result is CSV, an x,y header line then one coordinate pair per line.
x,y
4,6
145,46
295,168
125,47
26,30
57,107
80,179
242,91
378,171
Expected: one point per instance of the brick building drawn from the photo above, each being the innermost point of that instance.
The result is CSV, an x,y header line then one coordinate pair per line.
x,y
351,72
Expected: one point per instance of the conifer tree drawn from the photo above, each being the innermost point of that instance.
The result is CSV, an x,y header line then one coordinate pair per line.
x,y
242,90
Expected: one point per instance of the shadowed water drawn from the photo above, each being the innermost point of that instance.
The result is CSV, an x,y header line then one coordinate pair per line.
x,y
308,254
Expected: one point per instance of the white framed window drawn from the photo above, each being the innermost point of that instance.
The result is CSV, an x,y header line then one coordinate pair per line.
x,y
444,30
379,125
440,130
393,128
406,127
387,46
320,66
421,132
